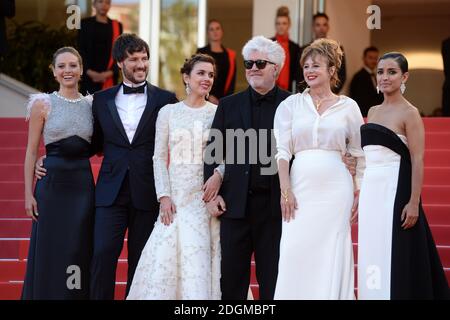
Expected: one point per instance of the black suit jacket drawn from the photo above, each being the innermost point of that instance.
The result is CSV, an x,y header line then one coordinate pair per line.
x,y
121,156
7,9
294,64
234,112
363,91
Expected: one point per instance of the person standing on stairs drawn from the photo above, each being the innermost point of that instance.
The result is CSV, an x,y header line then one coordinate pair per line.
x,y
290,74
318,195
181,259
397,256
125,197
95,41
225,62
62,205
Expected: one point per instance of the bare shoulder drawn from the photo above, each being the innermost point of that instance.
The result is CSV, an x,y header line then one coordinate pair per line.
x,y
372,111
411,112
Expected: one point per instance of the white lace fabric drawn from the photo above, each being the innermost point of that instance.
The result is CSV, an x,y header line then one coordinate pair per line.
x,y
182,260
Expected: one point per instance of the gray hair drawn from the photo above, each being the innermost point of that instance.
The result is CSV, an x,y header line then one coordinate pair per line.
x,y
275,52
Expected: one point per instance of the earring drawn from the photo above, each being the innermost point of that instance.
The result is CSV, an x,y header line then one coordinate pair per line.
x,y
378,90
403,87
188,89
207,96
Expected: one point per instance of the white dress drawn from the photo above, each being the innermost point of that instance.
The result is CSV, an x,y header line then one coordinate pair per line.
x,y
182,260
377,199
316,254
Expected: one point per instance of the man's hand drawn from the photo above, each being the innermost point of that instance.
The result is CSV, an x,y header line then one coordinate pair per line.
x,y
350,163
216,207
39,170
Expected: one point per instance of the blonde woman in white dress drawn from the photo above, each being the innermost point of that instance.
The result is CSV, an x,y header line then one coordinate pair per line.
x,y
318,194
181,259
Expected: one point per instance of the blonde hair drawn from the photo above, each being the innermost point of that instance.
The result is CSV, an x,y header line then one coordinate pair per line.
x,y
329,49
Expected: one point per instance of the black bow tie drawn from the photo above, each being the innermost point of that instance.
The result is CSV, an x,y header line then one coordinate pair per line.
x,y
131,90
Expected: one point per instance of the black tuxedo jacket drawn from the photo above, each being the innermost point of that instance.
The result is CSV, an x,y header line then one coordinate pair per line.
x,y
234,112
363,91
121,156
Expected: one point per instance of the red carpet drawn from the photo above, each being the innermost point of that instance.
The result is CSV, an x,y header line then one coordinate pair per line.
x,y
15,226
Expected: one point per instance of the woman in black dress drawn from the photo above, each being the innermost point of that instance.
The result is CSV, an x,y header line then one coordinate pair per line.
x,y
62,205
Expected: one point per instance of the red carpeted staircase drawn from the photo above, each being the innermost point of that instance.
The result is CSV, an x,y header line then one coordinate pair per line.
x,y
15,226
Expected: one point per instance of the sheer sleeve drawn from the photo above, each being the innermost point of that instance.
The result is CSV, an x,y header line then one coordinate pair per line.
x,y
43,97
283,129
354,142
161,154
220,169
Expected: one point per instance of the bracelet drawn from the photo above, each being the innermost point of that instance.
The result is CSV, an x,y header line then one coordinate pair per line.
x,y
285,194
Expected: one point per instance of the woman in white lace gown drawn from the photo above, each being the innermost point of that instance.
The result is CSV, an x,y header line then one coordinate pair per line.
x,y
181,259
318,127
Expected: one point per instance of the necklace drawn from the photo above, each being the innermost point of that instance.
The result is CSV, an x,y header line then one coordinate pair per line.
x,y
319,101
66,99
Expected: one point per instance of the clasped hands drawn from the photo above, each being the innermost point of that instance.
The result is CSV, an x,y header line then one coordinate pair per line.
x,y
214,203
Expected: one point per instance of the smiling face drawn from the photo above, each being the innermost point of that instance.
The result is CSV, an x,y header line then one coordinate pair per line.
x,y
261,80
201,78
135,67
390,76
282,25
316,71
67,70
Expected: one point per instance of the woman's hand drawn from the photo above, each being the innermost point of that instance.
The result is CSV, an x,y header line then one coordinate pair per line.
x,y
211,187
31,207
288,204
354,217
167,210
410,215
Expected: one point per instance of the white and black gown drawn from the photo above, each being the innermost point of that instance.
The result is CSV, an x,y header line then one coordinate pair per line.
x,y
393,263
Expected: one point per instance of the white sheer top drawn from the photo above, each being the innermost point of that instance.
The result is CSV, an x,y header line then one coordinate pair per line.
x,y
298,126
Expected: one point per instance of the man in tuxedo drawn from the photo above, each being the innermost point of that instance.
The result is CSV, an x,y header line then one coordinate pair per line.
x,y
252,220
363,88
446,87
125,197
320,28
8,10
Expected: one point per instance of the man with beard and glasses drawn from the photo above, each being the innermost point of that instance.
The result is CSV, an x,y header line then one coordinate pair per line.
x,y
125,197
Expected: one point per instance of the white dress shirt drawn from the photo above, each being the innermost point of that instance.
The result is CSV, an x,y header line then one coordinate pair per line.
x,y
298,126
130,108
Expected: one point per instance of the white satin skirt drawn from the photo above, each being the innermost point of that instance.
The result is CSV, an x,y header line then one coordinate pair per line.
x,y
316,253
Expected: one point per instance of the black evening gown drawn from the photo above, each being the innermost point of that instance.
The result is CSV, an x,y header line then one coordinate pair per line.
x,y
61,241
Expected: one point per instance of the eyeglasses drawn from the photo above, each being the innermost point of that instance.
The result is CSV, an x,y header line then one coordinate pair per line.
x,y
260,64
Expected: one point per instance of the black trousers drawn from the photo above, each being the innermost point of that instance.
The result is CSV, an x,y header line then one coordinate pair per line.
x,y
259,233
111,224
